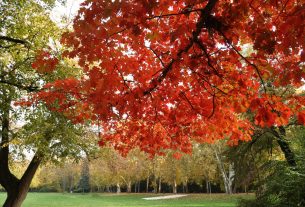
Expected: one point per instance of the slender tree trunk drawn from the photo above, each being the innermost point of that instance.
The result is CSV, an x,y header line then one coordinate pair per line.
x,y
64,183
129,187
155,185
71,180
231,176
207,185
139,186
234,189
135,188
186,186
175,187
154,182
118,188
160,185
227,178
147,184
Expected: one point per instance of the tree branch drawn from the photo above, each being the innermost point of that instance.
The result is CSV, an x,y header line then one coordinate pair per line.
x,y
205,12
185,11
245,59
155,53
29,88
284,145
14,40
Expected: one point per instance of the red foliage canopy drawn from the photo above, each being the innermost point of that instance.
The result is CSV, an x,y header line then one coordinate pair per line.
x,y
160,74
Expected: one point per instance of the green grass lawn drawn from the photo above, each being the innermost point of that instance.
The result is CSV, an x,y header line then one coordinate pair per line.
x,y
126,200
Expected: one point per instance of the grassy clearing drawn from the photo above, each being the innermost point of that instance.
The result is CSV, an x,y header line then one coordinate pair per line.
x,y
126,200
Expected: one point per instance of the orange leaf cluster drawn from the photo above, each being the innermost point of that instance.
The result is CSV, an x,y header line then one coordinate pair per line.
x,y
162,74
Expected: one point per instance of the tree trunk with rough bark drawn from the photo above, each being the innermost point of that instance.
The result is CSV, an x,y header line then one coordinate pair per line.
x,y
16,189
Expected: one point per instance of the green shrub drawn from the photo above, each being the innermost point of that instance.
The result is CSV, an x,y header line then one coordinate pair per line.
x,y
284,187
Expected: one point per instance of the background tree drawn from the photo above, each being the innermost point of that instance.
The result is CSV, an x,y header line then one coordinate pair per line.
x,y
84,181
61,177
204,166
35,132
226,168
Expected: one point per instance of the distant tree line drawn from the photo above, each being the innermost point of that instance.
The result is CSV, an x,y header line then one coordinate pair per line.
x,y
207,170
256,166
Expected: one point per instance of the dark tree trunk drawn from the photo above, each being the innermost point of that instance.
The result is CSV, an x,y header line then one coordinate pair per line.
x,y
284,145
64,183
135,188
139,186
71,180
7,179
186,187
207,185
17,190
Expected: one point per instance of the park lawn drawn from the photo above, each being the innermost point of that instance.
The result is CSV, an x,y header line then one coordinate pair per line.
x,y
126,200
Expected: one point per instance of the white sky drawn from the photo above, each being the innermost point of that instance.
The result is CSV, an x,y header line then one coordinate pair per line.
x,y
69,10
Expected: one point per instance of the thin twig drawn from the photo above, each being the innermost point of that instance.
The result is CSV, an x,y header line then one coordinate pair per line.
x,y
245,59
157,56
